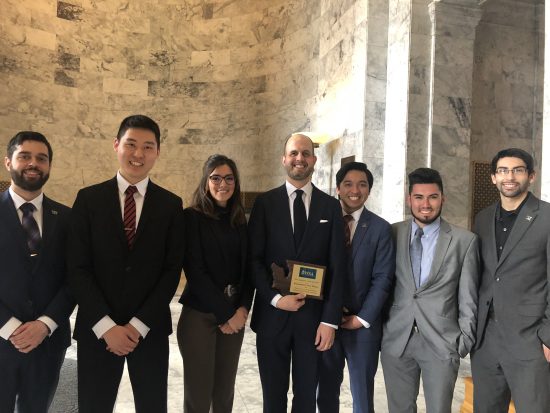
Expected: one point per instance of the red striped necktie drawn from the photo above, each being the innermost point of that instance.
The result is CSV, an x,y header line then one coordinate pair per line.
x,y
130,215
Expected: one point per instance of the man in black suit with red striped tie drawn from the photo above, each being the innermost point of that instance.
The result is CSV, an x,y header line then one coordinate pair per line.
x,y
125,259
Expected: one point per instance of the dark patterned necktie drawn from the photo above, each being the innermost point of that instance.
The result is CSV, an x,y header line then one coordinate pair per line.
x,y
347,229
34,240
130,215
416,256
300,218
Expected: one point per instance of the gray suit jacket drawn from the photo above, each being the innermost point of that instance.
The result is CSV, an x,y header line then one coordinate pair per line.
x,y
445,306
517,284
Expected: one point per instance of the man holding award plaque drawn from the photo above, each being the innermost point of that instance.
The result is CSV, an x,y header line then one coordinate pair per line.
x,y
297,262
371,268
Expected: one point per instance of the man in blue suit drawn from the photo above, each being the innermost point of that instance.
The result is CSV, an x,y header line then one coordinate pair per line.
x,y
371,267
34,303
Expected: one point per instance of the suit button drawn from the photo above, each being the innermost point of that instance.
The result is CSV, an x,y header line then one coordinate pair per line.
x,y
488,303
415,296
128,269
498,279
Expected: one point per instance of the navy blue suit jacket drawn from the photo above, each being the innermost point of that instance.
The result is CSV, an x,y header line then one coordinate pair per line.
x,y
370,275
30,289
272,241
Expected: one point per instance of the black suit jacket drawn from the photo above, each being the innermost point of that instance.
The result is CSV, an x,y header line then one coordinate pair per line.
x,y
30,288
109,279
205,264
271,240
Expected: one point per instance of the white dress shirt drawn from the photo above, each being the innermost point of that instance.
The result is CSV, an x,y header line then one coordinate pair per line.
x,y
13,323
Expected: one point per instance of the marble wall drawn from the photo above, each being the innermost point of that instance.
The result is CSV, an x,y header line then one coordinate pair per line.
x,y
219,76
508,79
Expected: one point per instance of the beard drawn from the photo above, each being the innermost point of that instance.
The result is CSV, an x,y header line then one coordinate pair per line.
x,y
19,180
521,189
424,220
299,174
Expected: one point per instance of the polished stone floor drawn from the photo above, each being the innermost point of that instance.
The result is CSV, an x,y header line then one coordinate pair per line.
x,y
248,394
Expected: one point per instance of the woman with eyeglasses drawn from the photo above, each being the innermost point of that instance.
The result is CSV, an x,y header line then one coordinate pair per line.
x,y
218,293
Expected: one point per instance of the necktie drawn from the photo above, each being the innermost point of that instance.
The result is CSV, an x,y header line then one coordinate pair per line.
x,y
347,229
300,218
34,240
416,255
130,215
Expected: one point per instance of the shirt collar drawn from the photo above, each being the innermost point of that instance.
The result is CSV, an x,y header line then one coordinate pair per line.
x,y
501,211
429,229
307,188
18,201
123,184
355,214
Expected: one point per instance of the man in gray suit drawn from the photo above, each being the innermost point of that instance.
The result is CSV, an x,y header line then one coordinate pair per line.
x,y
432,315
511,357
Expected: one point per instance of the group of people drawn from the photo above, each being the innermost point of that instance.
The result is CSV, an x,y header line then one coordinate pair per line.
x,y
420,294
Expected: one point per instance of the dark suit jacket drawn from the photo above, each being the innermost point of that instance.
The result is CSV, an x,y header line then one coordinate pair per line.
x,y
109,279
370,276
30,289
271,241
518,283
205,264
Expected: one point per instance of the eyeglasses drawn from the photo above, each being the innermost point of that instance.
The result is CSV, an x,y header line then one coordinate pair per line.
x,y
518,170
217,179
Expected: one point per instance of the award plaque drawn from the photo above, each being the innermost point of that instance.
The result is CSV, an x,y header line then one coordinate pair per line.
x,y
307,279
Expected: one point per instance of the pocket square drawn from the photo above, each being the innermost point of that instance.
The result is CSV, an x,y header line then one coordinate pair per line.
x,y
323,221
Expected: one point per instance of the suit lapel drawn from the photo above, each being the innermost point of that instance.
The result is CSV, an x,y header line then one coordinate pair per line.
x,y
243,239
403,243
492,244
9,217
282,204
49,223
112,203
441,247
313,219
526,217
360,231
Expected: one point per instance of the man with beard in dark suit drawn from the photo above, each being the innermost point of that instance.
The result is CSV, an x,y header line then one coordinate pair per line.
x,y
295,221
34,302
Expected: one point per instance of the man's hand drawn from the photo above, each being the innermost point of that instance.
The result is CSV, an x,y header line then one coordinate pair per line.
x,y
29,335
238,320
351,322
120,341
325,337
292,302
227,329
546,352
135,335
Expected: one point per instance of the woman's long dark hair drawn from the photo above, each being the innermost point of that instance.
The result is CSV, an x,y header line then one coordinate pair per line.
x,y
203,201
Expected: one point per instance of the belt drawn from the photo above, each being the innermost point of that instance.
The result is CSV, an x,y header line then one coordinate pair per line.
x,y
231,290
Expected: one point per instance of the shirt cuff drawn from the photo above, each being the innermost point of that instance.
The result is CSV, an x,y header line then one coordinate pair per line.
x,y
140,326
7,329
52,325
275,300
102,326
365,323
330,325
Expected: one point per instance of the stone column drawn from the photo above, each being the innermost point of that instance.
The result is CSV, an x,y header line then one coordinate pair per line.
x,y
451,67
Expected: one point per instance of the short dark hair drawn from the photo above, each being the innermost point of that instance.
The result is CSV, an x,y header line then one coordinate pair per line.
x,y
139,122
425,176
354,166
23,136
203,201
513,153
